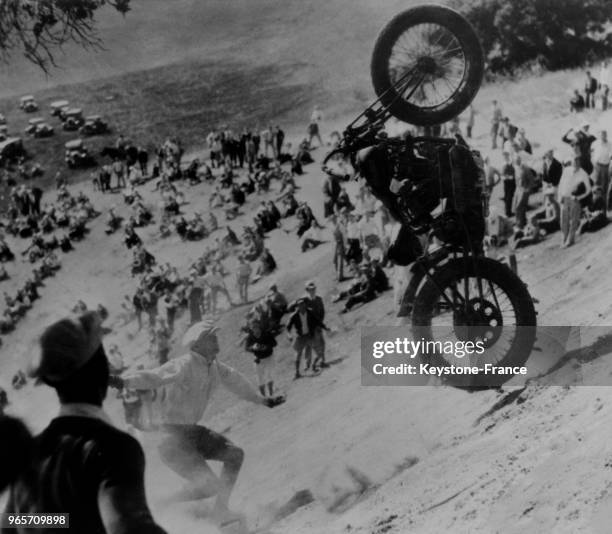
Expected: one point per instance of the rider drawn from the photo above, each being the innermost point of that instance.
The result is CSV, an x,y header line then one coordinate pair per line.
x,y
189,382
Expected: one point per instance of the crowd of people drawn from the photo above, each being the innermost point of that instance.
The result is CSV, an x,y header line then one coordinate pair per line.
x,y
573,193
45,228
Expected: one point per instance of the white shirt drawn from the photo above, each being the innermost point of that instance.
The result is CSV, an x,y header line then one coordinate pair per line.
x,y
316,116
603,152
188,383
352,230
304,321
569,180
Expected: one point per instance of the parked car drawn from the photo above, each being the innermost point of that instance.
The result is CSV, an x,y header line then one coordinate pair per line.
x,y
94,125
11,150
3,132
28,104
32,124
77,155
2,119
57,106
63,111
44,129
74,120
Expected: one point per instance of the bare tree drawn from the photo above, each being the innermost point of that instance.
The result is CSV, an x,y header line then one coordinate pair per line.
x,y
39,28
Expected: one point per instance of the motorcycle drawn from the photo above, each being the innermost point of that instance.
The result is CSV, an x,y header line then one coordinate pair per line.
x,y
427,67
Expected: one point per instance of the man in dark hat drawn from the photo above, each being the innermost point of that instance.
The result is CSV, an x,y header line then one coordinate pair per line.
x,y
81,464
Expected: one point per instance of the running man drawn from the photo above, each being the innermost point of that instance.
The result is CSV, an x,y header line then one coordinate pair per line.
x,y
189,382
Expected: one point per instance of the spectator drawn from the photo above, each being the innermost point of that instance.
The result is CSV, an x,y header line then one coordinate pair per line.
x,y
261,343
602,150
551,171
96,471
509,177
243,276
574,188
492,176
595,216
279,139
590,88
305,323
581,142
549,216
524,183
314,126
577,103
471,118
315,303
495,123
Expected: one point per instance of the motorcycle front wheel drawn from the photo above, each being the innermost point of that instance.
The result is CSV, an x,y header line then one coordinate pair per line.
x,y
427,65
479,301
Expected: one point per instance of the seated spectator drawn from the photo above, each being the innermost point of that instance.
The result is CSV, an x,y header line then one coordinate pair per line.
x,y
311,238
267,264
549,216
525,236
361,290
594,215
577,103
378,276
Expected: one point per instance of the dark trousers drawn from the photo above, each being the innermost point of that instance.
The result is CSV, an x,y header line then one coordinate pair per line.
x,y
509,190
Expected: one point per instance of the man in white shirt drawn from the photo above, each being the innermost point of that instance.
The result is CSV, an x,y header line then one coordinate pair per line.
x,y
602,152
574,188
313,126
188,383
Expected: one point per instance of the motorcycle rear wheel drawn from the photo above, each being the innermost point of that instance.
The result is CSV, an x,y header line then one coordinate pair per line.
x,y
427,65
502,316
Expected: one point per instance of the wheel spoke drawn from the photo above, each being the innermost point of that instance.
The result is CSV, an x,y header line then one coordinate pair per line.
x,y
428,42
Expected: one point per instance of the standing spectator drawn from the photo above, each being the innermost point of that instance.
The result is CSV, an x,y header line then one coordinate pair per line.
x,y
138,307
574,188
305,323
590,88
267,136
353,236
315,303
243,276
167,308
509,177
118,168
552,171
524,182
161,338
261,343
278,305
215,283
492,176
339,245
96,471
196,301
143,161
331,190
602,150
314,126
471,119
495,123
279,139
581,142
